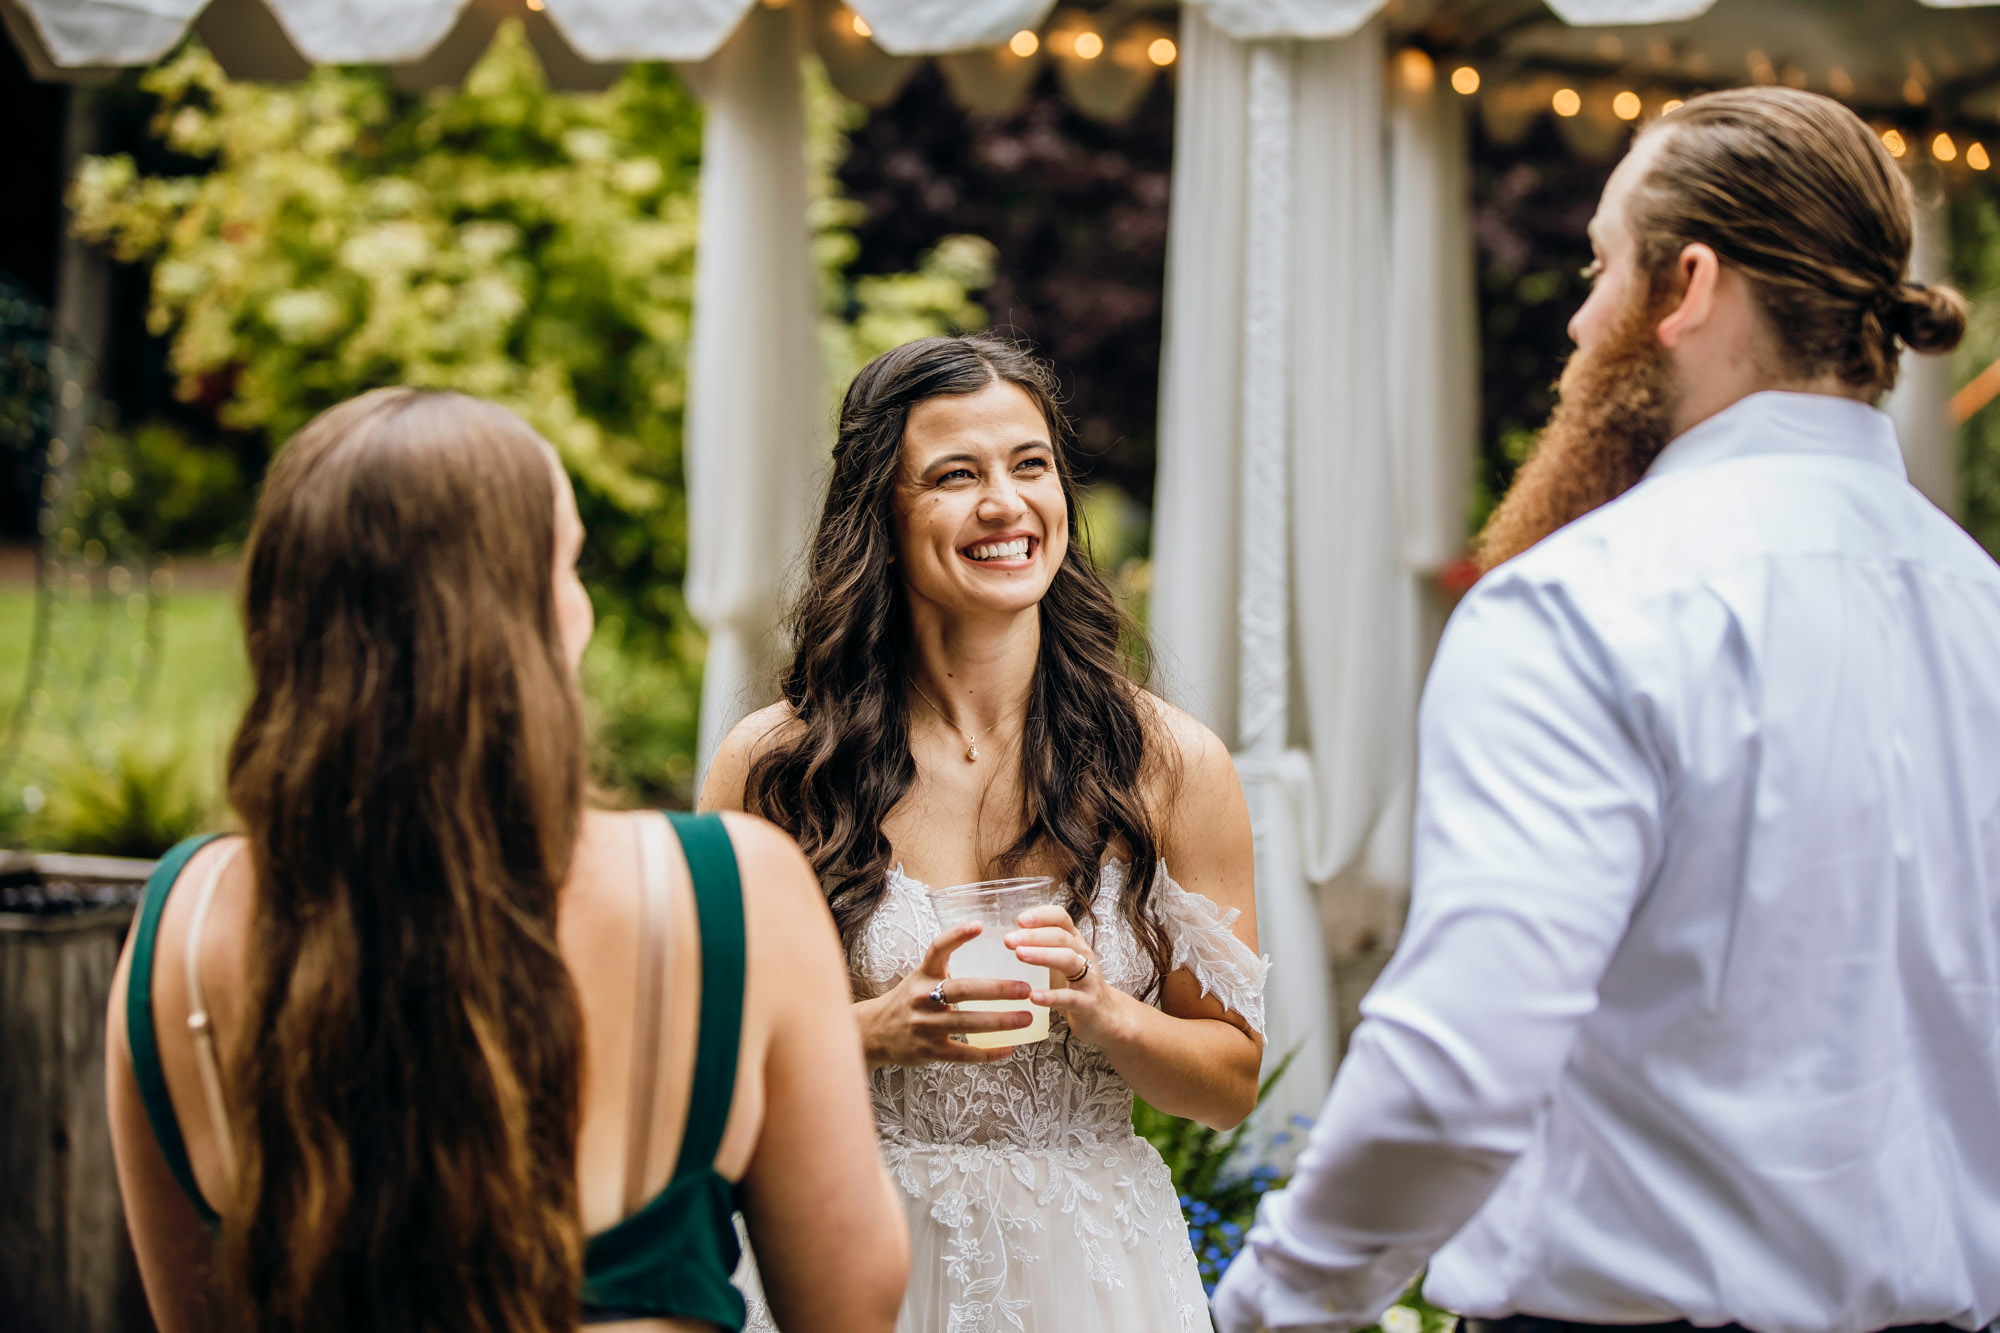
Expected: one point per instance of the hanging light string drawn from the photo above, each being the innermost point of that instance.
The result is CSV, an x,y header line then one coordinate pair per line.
x,y
1414,65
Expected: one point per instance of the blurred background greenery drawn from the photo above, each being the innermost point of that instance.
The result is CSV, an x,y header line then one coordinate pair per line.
x,y
305,242
281,247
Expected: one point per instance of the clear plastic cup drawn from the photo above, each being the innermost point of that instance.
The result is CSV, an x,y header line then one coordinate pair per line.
x,y
996,904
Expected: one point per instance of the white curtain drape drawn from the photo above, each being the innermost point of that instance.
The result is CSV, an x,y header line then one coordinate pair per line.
x,y
1923,383
1433,317
755,443
1198,482
1282,608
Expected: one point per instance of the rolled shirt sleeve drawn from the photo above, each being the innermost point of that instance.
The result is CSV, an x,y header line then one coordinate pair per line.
x,y
1538,822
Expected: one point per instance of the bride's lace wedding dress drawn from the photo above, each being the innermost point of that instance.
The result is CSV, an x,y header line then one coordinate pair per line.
x,y
1031,1203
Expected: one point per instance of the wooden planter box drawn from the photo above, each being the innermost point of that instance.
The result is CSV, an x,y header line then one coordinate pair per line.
x,y
66,1261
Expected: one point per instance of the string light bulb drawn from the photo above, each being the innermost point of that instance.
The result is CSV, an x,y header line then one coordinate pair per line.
x,y
1163,52
1943,149
1089,46
1975,157
861,28
535,5
1024,43
1893,141
1465,80
1671,105
1626,106
1841,82
1418,73
1567,102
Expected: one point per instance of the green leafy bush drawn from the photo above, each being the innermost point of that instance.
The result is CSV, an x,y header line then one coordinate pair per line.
x,y
1218,1195
532,248
642,707
156,488
1975,220
138,800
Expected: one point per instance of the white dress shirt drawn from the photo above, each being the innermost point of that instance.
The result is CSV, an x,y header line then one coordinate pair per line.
x,y
1697,1014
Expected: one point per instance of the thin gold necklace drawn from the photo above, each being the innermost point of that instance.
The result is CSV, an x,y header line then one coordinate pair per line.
x,y
971,740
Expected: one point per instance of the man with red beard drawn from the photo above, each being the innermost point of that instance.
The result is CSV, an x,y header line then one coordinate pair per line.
x,y
1696,1020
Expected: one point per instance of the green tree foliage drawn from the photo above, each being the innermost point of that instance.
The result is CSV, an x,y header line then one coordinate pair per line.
x,y
529,247
1975,219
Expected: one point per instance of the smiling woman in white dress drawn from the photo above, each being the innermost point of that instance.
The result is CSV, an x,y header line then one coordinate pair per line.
x,y
963,706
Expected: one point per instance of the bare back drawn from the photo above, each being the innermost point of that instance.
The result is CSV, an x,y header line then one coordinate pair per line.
x,y
798,1135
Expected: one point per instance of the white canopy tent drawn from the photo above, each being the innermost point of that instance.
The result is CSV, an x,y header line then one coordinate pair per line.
x,y
1320,380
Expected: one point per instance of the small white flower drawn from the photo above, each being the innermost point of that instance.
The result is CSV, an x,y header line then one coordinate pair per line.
x,y
306,316
637,175
588,145
1402,1319
392,247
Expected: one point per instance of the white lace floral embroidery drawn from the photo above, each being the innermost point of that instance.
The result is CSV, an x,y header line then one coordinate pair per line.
x,y
1013,1166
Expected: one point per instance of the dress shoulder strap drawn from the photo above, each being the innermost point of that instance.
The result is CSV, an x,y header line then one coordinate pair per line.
x,y
140,1031
718,896
206,1061
654,934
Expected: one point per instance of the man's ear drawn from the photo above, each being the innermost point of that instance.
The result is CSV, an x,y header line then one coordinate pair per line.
x,y
1697,270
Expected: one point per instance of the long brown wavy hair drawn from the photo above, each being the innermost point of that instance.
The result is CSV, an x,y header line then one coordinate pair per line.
x,y
832,780
410,778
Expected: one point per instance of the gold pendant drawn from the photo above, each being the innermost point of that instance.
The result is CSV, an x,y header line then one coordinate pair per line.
x,y
972,753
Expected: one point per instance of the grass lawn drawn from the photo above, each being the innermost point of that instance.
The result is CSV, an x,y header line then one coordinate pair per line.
x,y
118,750
102,700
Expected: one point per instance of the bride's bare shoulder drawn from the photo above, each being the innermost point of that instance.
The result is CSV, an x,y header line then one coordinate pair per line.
x,y
1189,777
747,741
1179,743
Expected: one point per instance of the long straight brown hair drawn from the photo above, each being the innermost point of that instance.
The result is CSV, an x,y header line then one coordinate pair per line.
x,y
410,777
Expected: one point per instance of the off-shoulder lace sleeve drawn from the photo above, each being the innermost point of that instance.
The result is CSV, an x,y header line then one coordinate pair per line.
x,y
1206,946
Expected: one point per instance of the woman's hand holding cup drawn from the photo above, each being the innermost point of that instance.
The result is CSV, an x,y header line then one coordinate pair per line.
x,y
1048,937
908,1025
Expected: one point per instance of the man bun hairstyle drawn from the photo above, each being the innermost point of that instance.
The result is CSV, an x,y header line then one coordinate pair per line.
x,y
1928,319
1793,190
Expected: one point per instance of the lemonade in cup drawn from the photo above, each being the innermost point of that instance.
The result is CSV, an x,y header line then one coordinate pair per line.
x,y
996,905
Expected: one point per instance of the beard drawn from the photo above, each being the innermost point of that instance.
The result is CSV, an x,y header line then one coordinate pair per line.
x,y
1613,414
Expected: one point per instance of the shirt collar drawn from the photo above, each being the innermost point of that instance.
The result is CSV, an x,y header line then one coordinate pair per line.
x,y
1776,422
